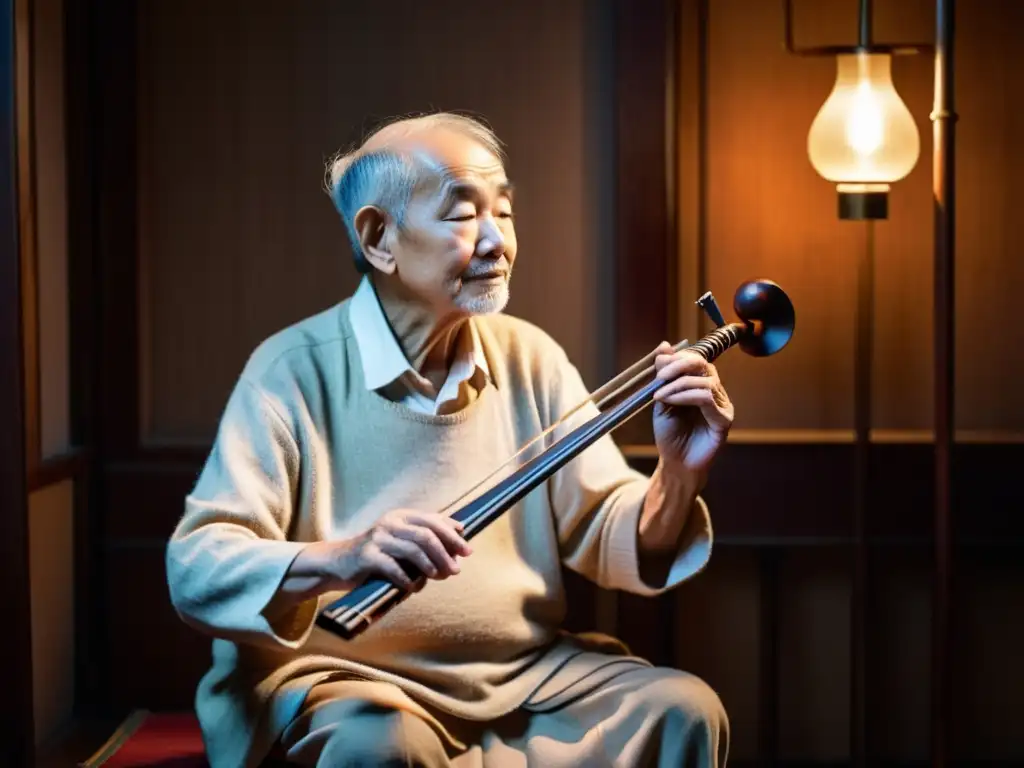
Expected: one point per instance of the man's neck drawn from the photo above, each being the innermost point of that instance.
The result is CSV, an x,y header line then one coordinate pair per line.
x,y
427,339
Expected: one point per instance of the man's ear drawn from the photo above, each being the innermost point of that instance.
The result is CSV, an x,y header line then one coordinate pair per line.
x,y
371,224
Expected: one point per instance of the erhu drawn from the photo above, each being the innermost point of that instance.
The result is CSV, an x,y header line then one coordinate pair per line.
x,y
766,320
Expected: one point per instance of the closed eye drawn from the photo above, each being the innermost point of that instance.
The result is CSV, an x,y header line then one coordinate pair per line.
x,y
471,216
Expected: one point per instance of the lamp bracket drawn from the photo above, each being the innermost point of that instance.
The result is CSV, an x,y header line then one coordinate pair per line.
x,y
864,46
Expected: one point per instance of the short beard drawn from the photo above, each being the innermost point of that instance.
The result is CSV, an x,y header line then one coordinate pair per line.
x,y
489,302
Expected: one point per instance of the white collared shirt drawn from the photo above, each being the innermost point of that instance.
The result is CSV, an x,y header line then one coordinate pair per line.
x,y
387,370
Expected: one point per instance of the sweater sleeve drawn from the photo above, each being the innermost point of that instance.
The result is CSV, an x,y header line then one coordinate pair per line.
x,y
597,500
228,554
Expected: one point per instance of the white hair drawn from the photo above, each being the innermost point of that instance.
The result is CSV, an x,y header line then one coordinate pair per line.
x,y
386,177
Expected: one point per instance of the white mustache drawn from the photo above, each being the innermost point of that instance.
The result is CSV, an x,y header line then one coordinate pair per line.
x,y
501,265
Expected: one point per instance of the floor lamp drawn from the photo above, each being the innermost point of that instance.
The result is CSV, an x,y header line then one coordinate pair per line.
x,y
864,139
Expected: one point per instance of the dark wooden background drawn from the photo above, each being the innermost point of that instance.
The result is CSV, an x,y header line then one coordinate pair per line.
x,y
178,115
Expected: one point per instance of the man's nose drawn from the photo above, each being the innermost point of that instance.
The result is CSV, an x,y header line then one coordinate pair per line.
x,y
491,241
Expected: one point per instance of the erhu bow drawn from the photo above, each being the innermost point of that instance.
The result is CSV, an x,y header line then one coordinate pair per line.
x,y
766,325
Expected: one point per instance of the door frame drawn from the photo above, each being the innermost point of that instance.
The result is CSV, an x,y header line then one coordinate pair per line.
x,y
17,743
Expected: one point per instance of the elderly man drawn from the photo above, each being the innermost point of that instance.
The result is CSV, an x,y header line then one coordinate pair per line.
x,y
346,437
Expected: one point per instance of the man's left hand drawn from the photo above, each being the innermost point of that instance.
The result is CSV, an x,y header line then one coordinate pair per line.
x,y
692,412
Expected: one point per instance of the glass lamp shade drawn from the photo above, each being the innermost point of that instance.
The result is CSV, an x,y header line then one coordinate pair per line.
x,y
863,137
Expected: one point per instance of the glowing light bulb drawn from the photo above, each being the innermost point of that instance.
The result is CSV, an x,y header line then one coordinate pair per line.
x,y
865,127
863,137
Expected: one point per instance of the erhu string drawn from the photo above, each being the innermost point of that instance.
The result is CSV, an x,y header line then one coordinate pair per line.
x,y
601,397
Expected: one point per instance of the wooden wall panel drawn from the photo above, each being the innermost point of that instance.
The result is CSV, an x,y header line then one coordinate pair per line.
x,y
715,623
759,103
899,644
990,237
144,633
814,656
23,115
902,374
237,116
51,230
767,213
644,187
52,501
51,542
990,678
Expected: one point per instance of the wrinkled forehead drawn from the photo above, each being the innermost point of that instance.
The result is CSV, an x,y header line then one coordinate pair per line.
x,y
446,185
473,171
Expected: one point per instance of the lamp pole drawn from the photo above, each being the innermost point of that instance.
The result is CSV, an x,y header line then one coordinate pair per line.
x,y
944,119
862,418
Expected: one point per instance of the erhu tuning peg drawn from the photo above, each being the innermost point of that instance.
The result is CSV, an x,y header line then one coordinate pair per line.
x,y
710,306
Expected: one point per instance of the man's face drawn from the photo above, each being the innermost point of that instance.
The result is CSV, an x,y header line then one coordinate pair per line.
x,y
458,243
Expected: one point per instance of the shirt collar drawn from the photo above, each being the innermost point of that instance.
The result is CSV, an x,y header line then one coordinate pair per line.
x,y
381,355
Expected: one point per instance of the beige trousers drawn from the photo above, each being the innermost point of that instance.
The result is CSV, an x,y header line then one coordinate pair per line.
x,y
632,716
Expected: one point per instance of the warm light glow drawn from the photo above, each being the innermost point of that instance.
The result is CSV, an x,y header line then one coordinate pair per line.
x,y
864,133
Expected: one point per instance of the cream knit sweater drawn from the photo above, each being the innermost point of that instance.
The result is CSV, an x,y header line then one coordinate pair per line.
x,y
305,452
